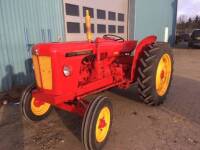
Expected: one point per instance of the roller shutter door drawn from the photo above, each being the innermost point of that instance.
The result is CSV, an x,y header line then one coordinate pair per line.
x,y
107,17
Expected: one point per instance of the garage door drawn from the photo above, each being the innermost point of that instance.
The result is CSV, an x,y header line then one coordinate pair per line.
x,y
107,17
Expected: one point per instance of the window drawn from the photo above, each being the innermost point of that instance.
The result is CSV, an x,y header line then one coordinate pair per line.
x,y
112,29
101,14
91,10
111,15
72,10
120,29
120,17
73,27
101,28
92,28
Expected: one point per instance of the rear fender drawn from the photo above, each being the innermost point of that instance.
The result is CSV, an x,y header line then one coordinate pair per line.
x,y
139,49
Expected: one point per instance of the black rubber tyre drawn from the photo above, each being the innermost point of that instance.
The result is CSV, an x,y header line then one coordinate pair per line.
x,y
147,69
90,120
25,103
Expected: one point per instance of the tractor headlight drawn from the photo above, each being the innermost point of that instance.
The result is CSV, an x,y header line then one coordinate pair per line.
x,y
66,71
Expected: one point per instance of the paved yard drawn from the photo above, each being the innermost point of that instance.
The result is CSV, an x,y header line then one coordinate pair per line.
x,y
172,126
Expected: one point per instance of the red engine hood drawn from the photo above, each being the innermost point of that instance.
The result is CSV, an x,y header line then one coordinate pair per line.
x,y
62,48
66,47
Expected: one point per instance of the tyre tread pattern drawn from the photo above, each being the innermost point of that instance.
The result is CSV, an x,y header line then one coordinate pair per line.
x,y
145,75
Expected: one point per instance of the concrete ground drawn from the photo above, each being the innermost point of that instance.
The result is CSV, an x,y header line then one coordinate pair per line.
x,y
172,126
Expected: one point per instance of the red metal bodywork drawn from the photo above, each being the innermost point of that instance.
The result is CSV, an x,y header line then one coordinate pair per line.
x,y
95,66
145,42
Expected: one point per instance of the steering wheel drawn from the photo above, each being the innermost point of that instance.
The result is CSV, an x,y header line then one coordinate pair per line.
x,y
113,37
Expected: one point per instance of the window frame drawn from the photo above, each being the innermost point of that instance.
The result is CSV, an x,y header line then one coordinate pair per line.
x,y
73,30
121,17
122,27
74,13
102,25
111,29
91,10
92,27
110,17
101,16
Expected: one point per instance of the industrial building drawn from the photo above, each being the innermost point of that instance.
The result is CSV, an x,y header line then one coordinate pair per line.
x,y
24,23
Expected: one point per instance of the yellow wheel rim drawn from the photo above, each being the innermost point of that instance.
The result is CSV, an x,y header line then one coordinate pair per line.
x,y
39,108
103,124
163,74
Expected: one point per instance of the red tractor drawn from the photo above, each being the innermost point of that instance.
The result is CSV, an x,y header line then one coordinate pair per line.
x,y
66,73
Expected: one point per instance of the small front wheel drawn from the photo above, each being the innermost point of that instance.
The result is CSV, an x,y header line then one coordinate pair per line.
x,y
33,109
97,123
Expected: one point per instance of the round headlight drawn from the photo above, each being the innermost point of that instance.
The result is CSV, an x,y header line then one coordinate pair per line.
x,y
66,71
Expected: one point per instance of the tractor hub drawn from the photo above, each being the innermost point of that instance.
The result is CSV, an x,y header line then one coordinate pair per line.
x,y
103,124
38,107
163,74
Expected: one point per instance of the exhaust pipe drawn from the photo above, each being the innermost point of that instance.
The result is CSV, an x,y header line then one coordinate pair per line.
x,y
88,26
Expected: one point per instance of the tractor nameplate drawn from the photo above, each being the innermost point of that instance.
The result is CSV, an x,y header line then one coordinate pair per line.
x,y
78,53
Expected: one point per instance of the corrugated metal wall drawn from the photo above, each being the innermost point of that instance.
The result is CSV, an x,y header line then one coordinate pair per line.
x,y
22,24
152,16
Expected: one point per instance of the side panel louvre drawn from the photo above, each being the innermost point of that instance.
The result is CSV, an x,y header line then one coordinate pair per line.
x,y
37,71
46,72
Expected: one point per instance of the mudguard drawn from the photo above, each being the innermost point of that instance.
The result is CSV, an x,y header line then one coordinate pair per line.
x,y
139,49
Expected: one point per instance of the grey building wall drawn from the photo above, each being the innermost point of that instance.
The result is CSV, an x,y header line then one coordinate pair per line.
x,y
152,16
23,23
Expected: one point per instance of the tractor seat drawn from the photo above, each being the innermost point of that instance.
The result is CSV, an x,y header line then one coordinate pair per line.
x,y
129,46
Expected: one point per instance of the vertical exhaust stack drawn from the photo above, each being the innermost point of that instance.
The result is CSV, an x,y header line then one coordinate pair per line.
x,y
88,26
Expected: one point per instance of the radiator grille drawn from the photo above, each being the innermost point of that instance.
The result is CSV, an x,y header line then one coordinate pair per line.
x,y
43,71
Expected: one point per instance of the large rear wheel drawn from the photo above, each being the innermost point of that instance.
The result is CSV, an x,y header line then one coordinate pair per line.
x,y
155,73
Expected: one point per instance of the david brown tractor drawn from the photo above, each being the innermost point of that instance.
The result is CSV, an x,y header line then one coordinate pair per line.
x,y
67,72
